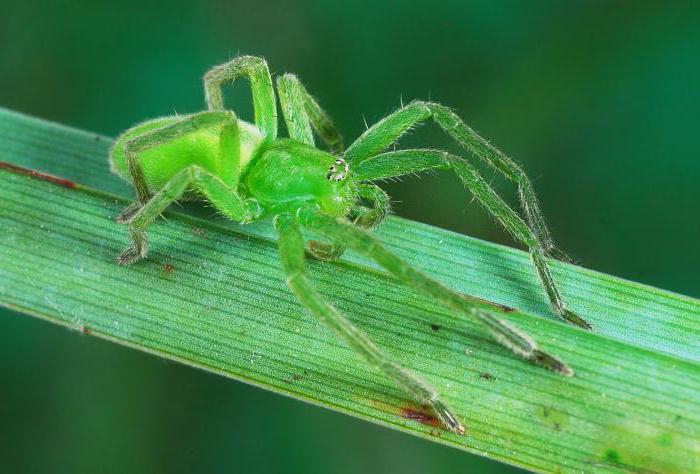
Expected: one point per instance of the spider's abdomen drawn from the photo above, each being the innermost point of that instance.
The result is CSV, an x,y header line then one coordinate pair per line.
x,y
289,174
200,148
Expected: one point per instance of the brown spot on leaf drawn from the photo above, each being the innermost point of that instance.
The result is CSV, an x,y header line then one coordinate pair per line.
x,y
486,376
85,330
293,378
36,174
168,267
419,416
504,308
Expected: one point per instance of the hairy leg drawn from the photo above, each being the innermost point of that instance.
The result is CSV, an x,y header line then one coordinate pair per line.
x,y
257,72
509,336
391,128
291,247
302,112
224,198
401,162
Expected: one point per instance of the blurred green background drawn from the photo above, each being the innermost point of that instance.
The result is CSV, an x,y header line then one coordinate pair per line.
x,y
598,100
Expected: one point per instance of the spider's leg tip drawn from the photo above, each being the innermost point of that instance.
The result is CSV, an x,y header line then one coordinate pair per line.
x,y
129,256
448,419
552,363
460,430
575,319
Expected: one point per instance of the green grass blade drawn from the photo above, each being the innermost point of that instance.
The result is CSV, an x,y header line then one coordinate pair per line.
x,y
638,314
212,296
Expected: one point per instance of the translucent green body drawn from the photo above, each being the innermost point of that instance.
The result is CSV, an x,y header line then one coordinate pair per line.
x,y
200,148
282,175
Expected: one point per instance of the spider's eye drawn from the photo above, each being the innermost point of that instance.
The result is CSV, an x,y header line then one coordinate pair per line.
x,y
338,171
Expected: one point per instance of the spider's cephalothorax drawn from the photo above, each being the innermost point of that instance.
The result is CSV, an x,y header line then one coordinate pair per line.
x,y
247,173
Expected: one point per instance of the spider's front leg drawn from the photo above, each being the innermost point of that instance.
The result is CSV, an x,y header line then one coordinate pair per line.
x,y
302,113
388,130
518,342
291,248
364,157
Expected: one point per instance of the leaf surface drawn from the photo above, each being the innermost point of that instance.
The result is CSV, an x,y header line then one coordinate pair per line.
x,y
212,295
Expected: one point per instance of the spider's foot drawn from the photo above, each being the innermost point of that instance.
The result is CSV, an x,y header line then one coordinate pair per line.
x,y
550,362
129,256
128,213
575,319
323,251
447,418
557,254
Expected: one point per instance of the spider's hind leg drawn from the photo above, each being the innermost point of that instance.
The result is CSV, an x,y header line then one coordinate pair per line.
x,y
257,72
223,197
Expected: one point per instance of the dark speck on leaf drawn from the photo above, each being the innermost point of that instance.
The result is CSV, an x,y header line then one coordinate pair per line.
x,y
293,378
486,376
612,456
199,232
168,267
435,327
85,330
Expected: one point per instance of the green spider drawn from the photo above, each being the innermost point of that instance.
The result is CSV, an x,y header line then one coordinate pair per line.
x,y
248,173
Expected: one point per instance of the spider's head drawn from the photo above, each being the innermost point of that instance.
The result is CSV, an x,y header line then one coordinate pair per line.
x,y
289,175
338,171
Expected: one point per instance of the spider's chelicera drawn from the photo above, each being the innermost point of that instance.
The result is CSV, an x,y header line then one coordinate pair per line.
x,y
247,173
